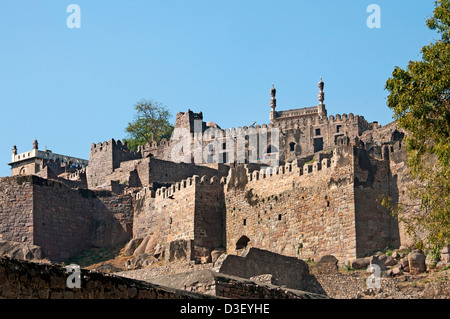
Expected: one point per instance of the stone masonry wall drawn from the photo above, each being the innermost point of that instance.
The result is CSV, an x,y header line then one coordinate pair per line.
x,y
307,212
400,185
112,219
190,212
61,220
376,228
209,226
16,209
27,280
100,164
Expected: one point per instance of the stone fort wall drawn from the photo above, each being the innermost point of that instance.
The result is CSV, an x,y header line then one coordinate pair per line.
x,y
190,212
113,167
327,207
303,212
61,220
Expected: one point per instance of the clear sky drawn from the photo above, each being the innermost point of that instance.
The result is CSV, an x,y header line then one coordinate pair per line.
x,y
69,88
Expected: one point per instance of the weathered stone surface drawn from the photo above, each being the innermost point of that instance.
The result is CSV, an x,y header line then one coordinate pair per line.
x,y
22,251
61,220
328,264
288,271
390,261
376,260
141,249
47,281
216,253
416,260
445,254
159,249
266,278
131,246
404,262
223,285
361,263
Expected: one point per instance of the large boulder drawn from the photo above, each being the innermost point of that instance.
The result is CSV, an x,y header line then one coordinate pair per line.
x,y
361,263
445,254
288,271
131,246
405,264
327,265
416,260
389,262
216,253
23,251
141,249
375,260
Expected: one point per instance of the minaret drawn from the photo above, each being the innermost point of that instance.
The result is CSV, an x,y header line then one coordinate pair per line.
x,y
273,103
14,153
321,107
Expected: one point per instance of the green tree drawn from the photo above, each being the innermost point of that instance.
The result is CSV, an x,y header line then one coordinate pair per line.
x,y
151,123
419,97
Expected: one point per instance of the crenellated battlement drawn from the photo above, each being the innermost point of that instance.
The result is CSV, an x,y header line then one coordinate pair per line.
x,y
290,169
77,174
145,191
113,145
165,192
308,121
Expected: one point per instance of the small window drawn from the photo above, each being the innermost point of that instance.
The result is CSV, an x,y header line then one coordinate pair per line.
x,y
338,128
279,216
224,146
317,131
244,222
292,146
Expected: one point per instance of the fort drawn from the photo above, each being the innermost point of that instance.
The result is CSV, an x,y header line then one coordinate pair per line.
x,y
322,197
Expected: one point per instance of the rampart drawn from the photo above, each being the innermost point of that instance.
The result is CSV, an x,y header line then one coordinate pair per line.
x,y
114,167
326,207
104,158
61,220
187,218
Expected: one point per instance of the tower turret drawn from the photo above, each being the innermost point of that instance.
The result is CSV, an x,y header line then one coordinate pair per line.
x,y
273,103
321,107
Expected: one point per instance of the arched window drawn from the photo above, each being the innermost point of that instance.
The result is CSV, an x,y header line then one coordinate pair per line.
x,y
271,149
242,242
292,146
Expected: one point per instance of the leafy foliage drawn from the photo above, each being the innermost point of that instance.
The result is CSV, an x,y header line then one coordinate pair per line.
x,y
420,99
151,123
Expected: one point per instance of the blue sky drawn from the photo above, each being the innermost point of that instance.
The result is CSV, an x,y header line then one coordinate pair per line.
x,y
69,88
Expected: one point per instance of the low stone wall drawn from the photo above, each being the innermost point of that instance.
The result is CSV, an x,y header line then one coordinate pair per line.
x,y
287,271
28,280
222,285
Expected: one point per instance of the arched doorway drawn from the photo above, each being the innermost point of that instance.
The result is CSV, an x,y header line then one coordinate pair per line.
x,y
242,243
271,150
